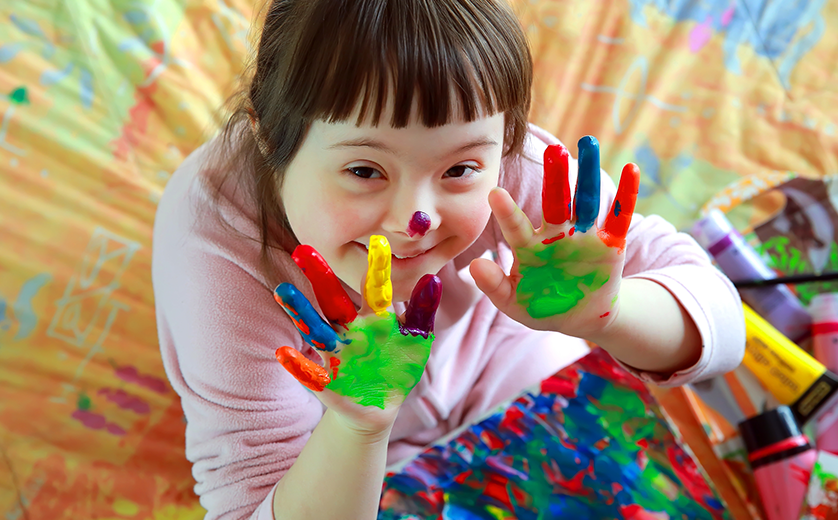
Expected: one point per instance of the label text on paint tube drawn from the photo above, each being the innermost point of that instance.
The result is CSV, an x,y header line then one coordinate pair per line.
x,y
794,377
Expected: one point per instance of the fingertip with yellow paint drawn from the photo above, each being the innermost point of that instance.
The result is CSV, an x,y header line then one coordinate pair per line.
x,y
379,288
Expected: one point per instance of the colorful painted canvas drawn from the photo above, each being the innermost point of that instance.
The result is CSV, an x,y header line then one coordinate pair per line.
x,y
822,496
592,442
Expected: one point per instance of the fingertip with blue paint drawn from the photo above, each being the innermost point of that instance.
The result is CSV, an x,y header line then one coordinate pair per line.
x,y
312,327
588,184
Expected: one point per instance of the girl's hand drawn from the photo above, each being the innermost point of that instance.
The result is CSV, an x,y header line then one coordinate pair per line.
x,y
373,360
566,275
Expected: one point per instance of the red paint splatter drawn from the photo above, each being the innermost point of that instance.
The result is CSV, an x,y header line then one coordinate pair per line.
x,y
492,440
95,421
334,363
559,386
800,473
635,512
551,240
131,375
602,443
462,477
511,420
643,443
497,489
292,313
604,315
136,126
572,231
686,471
125,400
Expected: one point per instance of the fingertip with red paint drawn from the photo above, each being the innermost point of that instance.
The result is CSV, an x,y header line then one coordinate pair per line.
x,y
328,290
555,188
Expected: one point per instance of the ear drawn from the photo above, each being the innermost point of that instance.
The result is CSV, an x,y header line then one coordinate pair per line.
x,y
254,127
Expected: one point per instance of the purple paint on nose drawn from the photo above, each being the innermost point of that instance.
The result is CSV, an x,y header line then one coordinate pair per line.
x,y
420,223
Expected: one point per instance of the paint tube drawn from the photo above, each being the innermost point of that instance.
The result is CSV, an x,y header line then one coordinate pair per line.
x,y
824,311
739,261
782,459
794,377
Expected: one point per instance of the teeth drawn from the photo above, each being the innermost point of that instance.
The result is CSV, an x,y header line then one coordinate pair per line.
x,y
367,247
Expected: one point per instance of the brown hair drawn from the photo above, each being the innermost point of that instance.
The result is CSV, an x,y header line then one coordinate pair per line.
x,y
323,59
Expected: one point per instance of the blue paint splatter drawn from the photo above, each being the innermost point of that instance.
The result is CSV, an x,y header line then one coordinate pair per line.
x,y
782,30
26,317
617,208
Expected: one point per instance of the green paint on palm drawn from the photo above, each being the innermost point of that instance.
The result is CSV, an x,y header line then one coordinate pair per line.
x,y
380,362
553,277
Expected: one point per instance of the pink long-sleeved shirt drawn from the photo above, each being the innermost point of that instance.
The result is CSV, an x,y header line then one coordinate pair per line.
x,y
248,419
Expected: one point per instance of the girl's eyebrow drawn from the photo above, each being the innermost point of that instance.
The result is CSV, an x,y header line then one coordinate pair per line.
x,y
480,142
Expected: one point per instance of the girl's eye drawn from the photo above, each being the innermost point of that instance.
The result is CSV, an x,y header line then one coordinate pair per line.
x,y
365,172
460,171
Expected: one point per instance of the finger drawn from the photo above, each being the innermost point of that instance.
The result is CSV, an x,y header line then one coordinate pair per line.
x,y
491,279
304,370
314,330
555,188
378,288
330,294
587,184
421,309
616,226
514,224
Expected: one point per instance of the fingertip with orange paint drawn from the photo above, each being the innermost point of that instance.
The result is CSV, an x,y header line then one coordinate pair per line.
x,y
307,372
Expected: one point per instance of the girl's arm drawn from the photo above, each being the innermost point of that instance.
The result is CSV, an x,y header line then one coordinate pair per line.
x,y
652,332
338,475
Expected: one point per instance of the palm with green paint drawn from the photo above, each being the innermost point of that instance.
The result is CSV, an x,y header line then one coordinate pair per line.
x,y
371,361
567,273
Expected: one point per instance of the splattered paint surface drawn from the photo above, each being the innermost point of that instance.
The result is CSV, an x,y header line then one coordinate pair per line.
x,y
592,443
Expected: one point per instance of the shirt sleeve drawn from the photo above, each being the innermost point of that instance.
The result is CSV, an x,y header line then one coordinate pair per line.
x,y
656,251
247,418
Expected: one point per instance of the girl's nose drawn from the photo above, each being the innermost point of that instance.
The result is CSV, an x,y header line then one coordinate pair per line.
x,y
413,215
419,225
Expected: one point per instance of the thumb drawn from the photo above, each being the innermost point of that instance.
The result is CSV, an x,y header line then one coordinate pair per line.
x,y
491,279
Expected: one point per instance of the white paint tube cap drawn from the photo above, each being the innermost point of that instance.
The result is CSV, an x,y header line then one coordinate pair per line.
x,y
824,308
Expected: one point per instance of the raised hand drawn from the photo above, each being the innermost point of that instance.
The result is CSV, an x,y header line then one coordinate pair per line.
x,y
370,360
567,274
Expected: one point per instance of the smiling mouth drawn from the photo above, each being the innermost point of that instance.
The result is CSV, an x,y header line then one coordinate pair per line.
x,y
394,255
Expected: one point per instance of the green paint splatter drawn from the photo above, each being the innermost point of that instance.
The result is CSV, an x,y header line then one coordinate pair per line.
x,y
554,277
380,362
19,96
84,402
781,256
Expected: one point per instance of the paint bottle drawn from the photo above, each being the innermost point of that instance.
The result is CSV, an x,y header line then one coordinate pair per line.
x,y
793,377
782,459
824,311
739,261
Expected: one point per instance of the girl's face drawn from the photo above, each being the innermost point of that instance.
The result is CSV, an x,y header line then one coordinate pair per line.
x,y
348,182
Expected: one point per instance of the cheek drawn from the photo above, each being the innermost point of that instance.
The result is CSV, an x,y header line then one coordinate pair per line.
x,y
320,218
468,217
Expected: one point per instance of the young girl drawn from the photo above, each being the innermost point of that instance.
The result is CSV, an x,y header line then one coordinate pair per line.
x,y
371,125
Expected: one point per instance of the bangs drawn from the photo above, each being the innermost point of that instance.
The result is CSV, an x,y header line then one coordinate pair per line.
x,y
447,59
